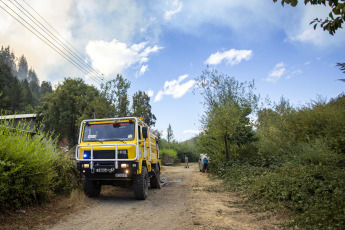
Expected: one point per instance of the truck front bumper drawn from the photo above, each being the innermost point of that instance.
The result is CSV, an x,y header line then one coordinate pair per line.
x,y
107,170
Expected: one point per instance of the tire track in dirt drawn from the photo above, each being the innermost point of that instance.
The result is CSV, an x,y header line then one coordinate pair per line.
x,y
193,203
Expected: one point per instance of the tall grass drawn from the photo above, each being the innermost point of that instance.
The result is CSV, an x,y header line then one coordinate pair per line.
x,y
31,171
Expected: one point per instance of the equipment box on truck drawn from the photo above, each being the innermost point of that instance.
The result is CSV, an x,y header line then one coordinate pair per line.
x,y
118,152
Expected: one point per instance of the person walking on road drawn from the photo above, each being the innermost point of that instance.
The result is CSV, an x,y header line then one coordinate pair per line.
x,y
205,161
186,162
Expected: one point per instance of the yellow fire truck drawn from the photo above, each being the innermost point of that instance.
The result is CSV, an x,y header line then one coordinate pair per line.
x,y
118,152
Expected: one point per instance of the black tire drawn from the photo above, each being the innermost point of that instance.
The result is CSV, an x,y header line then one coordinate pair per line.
x,y
141,184
91,188
153,180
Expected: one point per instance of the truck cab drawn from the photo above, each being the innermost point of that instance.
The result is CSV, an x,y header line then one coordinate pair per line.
x,y
118,152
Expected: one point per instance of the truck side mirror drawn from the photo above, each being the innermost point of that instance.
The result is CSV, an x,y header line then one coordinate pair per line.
x,y
145,132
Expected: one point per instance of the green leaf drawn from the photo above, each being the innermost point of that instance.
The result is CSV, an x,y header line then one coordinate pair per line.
x,y
331,15
336,11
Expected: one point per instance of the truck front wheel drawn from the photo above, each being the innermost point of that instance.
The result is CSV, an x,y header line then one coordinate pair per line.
x,y
91,188
141,185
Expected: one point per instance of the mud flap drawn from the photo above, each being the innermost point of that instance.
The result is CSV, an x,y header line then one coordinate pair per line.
x,y
155,178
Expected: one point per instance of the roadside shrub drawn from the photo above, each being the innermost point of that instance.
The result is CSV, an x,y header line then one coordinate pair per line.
x,y
169,152
311,183
67,175
30,169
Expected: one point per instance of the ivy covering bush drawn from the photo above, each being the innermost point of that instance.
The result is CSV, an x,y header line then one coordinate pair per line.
x,y
31,171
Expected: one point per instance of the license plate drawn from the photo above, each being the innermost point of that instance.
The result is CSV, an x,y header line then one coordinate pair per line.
x,y
102,170
120,175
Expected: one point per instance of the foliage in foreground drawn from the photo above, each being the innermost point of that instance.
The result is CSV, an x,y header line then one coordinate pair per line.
x,y
30,169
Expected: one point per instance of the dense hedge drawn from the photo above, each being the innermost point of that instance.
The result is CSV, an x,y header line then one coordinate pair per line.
x,y
31,171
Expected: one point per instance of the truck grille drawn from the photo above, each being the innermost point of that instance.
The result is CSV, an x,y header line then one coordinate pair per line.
x,y
110,154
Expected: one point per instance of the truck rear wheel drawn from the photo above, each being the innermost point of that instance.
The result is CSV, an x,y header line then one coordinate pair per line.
x,y
91,188
141,185
154,181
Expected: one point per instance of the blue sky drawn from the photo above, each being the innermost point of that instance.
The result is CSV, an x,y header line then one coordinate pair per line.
x,y
161,46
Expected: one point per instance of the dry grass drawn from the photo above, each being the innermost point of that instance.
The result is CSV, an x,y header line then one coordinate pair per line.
x,y
37,216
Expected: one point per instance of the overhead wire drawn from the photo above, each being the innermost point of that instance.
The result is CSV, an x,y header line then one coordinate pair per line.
x,y
58,46
59,42
66,44
82,55
55,49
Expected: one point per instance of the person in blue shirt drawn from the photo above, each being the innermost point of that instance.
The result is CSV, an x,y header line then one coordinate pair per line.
x,y
205,161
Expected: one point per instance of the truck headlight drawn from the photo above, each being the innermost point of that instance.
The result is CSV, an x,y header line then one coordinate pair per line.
x,y
124,166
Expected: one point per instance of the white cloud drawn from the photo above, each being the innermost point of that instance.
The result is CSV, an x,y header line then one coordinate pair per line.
x,y
295,72
232,57
175,88
143,69
192,131
39,55
305,33
277,72
114,57
177,7
150,93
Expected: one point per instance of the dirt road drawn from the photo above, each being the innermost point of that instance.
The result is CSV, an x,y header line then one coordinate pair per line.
x,y
189,200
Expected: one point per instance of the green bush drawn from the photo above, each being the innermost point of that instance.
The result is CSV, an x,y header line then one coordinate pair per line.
x,y
31,171
309,182
169,152
298,163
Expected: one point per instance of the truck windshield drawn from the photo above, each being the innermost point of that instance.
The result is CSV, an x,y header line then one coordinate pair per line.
x,y
109,132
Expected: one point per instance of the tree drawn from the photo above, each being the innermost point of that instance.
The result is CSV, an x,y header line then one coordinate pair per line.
x,y
116,92
34,83
341,66
16,96
28,98
170,135
46,87
9,58
62,109
6,79
142,108
336,16
228,104
99,107
22,68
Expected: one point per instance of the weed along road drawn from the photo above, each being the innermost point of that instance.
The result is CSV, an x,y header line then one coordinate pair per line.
x,y
188,200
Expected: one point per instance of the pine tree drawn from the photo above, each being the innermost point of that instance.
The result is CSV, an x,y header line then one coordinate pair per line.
x,y
22,68
142,108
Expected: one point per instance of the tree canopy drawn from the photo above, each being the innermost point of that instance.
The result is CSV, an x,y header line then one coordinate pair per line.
x,y
228,103
62,109
116,91
141,107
